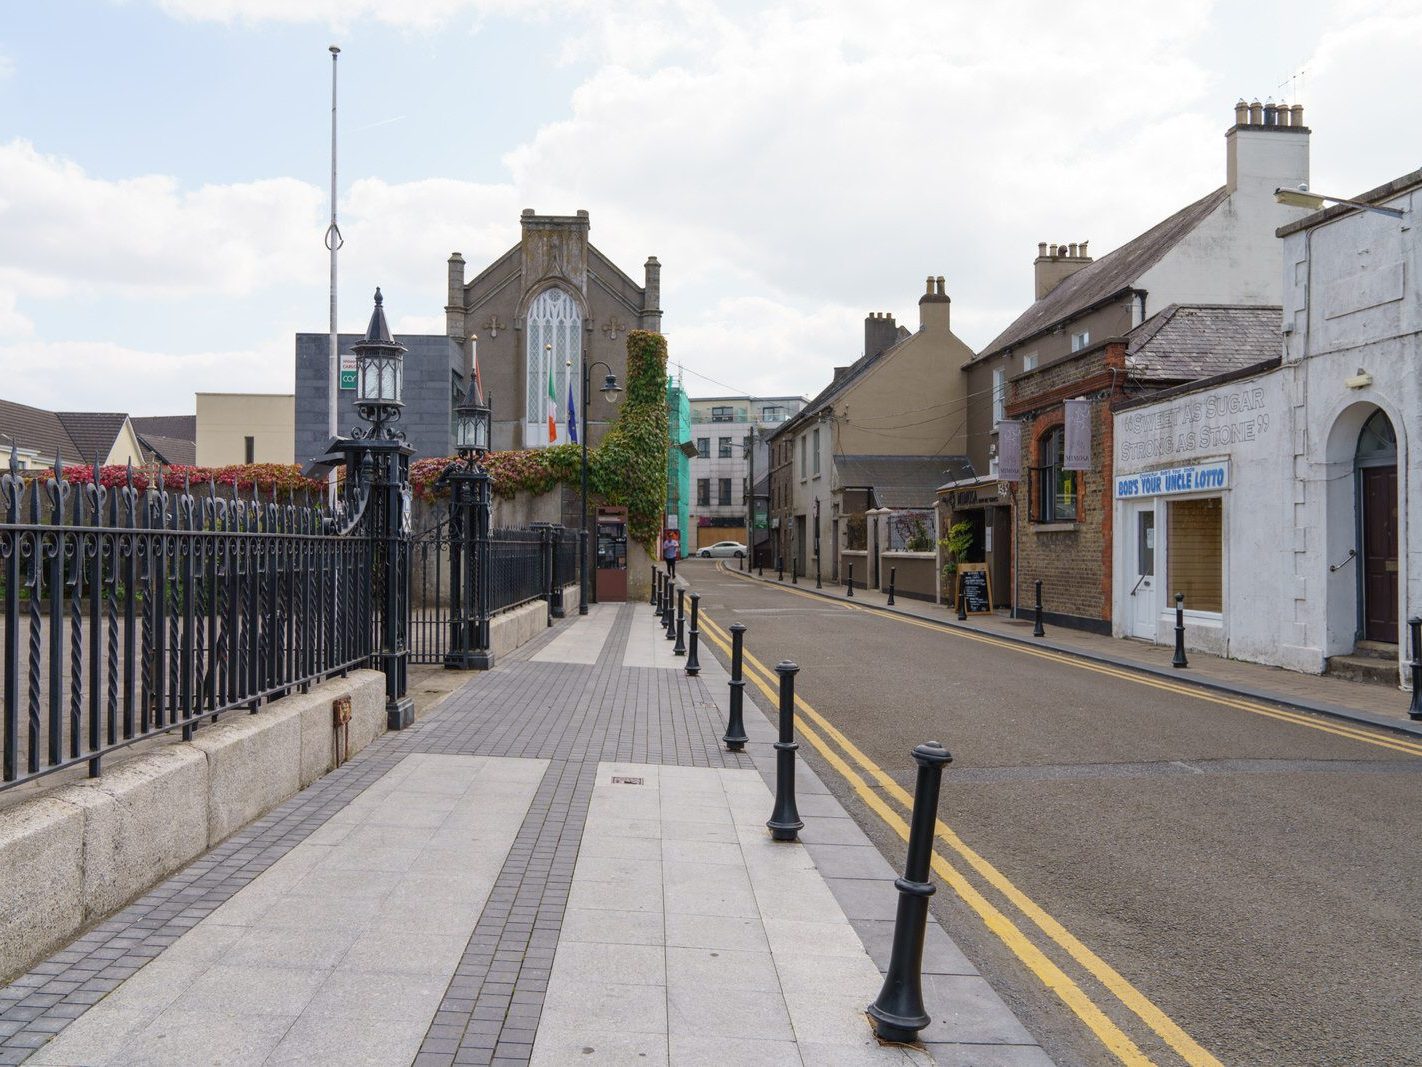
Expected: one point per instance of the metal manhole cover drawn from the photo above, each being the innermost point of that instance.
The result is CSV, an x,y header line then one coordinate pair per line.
x,y
618,779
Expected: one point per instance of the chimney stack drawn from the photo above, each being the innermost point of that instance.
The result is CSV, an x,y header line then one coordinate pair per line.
x,y
880,332
1266,147
1056,263
933,306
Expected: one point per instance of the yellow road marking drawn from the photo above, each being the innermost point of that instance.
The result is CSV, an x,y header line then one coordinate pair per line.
x,y
1131,997
1110,1035
1363,734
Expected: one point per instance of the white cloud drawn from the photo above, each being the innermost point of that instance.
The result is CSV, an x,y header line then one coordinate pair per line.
x,y
104,376
794,165
66,229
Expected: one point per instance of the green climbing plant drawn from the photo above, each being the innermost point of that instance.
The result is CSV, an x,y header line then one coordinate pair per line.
x,y
955,547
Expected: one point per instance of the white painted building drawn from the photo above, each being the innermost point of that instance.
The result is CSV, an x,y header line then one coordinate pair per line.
x,y
1296,548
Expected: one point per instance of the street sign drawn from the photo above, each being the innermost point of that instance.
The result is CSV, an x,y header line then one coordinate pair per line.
x,y
348,371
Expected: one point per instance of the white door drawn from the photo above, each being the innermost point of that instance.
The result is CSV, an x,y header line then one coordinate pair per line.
x,y
1142,606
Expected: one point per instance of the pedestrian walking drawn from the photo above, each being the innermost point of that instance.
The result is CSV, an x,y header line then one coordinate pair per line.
x,y
670,550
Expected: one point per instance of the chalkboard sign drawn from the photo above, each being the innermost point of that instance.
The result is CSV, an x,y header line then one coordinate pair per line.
x,y
975,588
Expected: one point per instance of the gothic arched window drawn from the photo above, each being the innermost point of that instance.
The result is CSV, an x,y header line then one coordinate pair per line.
x,y
553,332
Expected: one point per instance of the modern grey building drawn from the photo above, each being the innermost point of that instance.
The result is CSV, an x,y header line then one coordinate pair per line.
x,y
434,374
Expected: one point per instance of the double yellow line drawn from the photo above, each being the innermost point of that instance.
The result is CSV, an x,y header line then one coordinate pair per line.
x,y
1364,734
891,802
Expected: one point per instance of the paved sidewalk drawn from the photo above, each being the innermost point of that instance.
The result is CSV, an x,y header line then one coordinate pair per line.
x,y
1375,704
560,864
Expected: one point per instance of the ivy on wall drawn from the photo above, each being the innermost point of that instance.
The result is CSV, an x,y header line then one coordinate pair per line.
x,y
629,468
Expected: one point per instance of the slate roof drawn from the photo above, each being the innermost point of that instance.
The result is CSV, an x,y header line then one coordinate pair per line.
x,y
1187,342
1113,272
35,428
901,481
93,432
175,427
173,451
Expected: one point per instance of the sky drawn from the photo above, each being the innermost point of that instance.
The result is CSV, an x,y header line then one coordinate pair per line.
x,y
795,165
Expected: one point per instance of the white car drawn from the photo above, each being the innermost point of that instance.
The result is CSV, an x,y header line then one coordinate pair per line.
x,y
730,549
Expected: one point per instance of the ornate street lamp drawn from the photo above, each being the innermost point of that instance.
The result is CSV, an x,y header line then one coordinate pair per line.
x,y
612,393
378,457
380,373
469,536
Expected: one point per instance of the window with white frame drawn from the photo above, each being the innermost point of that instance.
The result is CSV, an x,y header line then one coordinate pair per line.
x,y
1029,361
1080,340
553,348
999,393
815,444
802,457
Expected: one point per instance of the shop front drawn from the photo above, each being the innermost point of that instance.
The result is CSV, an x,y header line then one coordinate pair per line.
x,y
985,504
1203,497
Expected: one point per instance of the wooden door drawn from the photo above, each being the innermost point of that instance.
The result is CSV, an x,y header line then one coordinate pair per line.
x,y
1380,553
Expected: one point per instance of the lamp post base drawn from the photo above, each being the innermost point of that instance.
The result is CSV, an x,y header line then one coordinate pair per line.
x,y
399,713
468,661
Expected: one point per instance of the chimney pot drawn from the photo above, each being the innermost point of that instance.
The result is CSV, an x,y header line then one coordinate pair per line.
x,y
1072,246
939,280
1241,113
528,211
1256,113
1297,110
1083,251
1054,251
928,291
1270,112
1041,248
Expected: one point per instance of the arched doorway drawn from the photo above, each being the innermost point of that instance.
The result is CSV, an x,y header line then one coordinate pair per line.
x,y
1375,461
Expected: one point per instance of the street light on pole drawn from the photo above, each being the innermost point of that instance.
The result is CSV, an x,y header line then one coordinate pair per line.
x,y
333,245
1303,197
611,392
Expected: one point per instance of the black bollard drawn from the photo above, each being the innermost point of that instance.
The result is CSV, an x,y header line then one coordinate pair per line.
x,y
849,582
898,1012
1414,710
665,618
794,572
741,562
962,606
760,567
892,575
1037,630
736,728
780,568
669,618
653,601
1180,660
784,822
693,664
817,573
679,649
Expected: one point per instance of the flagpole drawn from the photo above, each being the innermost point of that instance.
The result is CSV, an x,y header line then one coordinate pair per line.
x,y
333,244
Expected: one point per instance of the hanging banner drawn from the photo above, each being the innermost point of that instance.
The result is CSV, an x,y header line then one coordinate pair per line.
x,y
1076,455
348,370
1009,451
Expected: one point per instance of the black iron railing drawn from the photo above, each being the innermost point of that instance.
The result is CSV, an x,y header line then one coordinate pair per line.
x,y
128,612
565,558
517,572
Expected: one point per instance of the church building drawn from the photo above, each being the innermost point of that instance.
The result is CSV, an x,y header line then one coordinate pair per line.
x,y
534,314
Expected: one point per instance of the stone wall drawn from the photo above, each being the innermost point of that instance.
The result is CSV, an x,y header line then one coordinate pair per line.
x,y
80,852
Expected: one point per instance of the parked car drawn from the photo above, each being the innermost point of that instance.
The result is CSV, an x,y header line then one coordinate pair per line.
x,y
731,549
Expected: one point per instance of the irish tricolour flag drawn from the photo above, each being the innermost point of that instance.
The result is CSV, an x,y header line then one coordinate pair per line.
x,y
552,406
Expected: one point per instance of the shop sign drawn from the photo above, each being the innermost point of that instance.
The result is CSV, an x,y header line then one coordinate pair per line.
x,y
1077,453
978,495
1201,478
348,370
1009,451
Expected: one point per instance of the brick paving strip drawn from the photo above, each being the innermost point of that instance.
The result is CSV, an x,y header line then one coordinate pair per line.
x,y
574,715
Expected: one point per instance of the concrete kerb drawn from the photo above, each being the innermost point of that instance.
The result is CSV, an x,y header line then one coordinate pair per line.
x,y
1332,711
77,854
